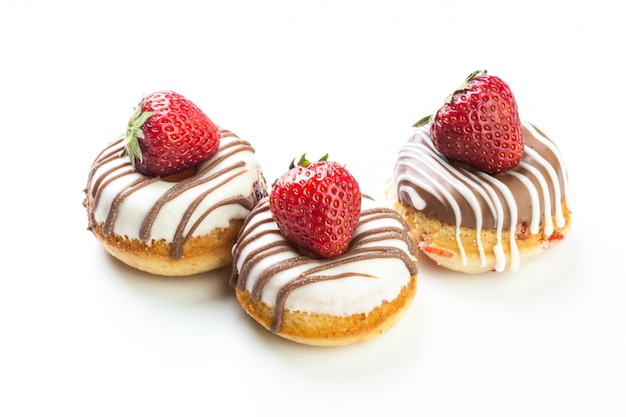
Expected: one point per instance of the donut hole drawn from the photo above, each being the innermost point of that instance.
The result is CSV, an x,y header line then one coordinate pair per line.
x,y
179,176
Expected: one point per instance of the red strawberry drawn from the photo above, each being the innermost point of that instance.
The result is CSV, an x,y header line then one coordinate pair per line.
x,y
479,125
317,206
168,134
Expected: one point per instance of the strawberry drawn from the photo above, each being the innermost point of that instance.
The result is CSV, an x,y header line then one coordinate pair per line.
x,y
479,125
168,134
317,206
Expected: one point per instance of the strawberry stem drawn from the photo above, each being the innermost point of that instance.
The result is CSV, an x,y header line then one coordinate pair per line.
x,y
465,84
302,162
133,133
425,120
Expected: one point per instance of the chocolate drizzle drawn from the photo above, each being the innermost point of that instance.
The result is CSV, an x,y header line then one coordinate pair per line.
x,y
370,242
532,194
206,181
459,195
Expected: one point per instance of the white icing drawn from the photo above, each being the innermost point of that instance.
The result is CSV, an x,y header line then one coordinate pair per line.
x,y
535,203
558,209
137,204
510,202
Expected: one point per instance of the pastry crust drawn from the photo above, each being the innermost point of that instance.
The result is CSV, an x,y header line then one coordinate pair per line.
x,y
200,254
438,241
318,329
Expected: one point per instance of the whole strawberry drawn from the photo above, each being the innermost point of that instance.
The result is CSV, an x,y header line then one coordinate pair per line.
x,y
479,125
168,134
317,206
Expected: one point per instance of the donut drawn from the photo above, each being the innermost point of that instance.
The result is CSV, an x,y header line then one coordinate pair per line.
x,y
470,221
326,301
167,225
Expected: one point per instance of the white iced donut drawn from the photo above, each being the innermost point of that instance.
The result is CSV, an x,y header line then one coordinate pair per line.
x,y
329,302
168,226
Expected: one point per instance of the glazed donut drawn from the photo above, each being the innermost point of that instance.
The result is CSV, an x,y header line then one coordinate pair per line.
x,y
173,227
326,301
472,222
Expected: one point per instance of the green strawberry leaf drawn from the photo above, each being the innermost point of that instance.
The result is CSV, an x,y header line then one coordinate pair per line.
x,y
133,133
423,121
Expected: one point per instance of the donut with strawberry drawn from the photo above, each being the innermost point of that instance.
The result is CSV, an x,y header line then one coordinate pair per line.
x,y
321,264
169,196
481,189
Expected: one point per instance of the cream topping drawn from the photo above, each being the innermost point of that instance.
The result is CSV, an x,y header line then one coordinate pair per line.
x,y
459,195
128,203
377,265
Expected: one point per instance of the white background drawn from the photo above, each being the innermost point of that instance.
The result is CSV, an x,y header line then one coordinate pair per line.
x,y
83,335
